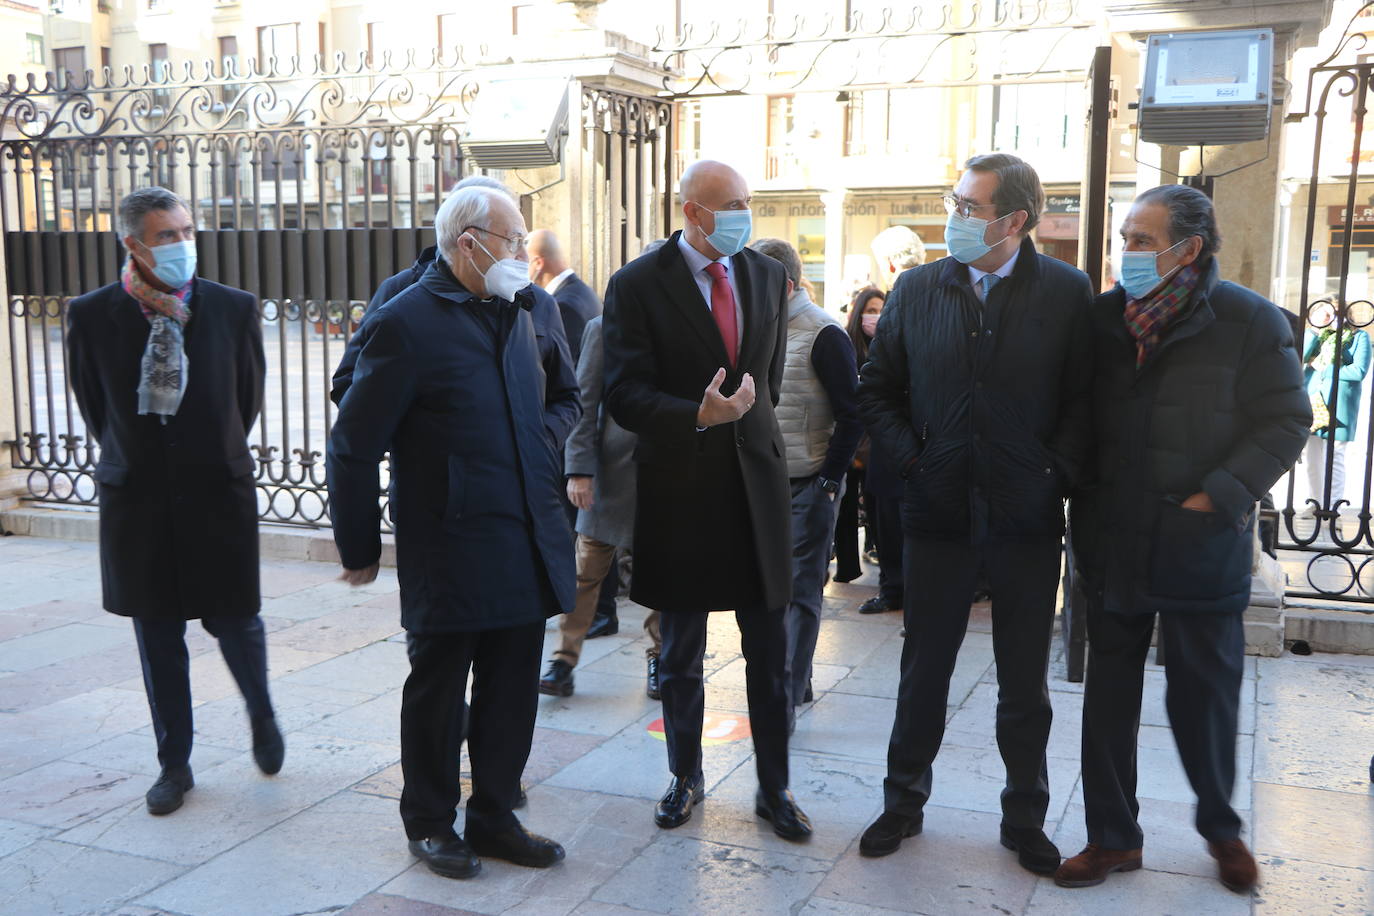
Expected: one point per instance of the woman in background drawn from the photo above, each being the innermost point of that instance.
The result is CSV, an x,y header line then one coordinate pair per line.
x,y
863,321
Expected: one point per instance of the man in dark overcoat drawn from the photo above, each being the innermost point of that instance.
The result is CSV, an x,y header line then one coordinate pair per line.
x,y
168,371
577,302
448,380
976,386
1199,407
701,317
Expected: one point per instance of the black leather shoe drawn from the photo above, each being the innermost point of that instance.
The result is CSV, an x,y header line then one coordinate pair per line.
x,y
884,835
651,679
810,695
521,799
446,855
170,790
603,626
876,605
269,750
1033,849
558,680
517,845
675,807
781,809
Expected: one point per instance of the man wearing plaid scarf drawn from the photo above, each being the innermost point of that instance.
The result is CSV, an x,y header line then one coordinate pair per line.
x,y
1199,408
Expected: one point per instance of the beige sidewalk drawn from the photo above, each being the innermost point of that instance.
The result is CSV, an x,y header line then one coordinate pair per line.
x,y
76,756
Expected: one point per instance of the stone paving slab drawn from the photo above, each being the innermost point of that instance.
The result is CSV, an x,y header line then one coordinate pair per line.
x,y
77,754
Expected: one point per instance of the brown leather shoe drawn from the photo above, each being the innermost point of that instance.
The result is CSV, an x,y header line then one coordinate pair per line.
x,y
1092,866
1236,868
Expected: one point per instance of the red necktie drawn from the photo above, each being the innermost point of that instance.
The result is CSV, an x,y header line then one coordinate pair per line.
x,y
723,309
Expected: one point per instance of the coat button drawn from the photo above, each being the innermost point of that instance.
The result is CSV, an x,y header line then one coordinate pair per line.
x,y
1048,471
739,440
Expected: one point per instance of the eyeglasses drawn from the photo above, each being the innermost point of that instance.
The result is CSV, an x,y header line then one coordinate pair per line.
x,y
513,242
962,207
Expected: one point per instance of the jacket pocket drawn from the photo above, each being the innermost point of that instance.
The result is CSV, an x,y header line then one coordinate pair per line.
x,y
242,465
110,475
1197,555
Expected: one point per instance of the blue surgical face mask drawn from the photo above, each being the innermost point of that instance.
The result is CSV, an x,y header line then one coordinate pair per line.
x,y
174,263
1139,274
964,236
733,228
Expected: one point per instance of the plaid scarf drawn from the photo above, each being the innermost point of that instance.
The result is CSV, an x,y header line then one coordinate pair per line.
x,y
163,371
1148,319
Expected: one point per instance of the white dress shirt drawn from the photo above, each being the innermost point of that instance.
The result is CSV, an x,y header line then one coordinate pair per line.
x,y
552,286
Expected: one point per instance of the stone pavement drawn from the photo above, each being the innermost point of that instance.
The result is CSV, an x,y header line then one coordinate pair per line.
x,y
76,756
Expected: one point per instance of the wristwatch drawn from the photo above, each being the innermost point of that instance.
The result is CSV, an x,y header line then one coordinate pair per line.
x,y
830,486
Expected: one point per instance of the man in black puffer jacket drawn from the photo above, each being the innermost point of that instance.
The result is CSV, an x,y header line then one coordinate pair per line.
x,y
1199,408
977,385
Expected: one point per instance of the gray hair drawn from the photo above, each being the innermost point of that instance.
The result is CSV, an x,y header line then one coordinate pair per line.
x,y
470,206
484,181
784,254
1190,213
137,204
651,247
1018,187
900,245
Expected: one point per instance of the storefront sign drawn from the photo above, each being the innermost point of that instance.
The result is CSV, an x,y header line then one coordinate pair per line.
x,y
1063,203
1363,216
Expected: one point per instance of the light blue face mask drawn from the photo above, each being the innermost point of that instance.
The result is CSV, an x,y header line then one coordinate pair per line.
x,y
964,236
733,228
174,263
1139,273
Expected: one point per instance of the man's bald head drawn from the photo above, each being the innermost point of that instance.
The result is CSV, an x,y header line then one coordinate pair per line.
x,y
712,184
546,256
707,187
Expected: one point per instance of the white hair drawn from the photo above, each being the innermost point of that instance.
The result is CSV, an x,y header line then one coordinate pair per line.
x,y
901,246
470,206
484,181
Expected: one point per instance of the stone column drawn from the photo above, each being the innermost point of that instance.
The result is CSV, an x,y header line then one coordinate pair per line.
x,y
834,246
12,484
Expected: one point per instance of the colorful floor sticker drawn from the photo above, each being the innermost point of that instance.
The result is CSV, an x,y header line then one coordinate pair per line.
x,y
716,728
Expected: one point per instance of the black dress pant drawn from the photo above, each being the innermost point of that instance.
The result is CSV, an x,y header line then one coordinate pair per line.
x,y
167,675
1024,577
885,514
500,725
1204,661
847,528
763,642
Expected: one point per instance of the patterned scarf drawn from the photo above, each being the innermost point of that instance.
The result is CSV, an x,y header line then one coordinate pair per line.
x,y
1148,319
162,379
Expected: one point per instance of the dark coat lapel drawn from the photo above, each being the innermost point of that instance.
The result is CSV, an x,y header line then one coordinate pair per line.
x,y
681,290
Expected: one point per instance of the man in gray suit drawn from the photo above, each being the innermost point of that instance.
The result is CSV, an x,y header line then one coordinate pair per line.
x,y
601,484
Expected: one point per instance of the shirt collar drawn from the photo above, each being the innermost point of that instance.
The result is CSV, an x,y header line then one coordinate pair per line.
x,y
552,286
696,261
975,275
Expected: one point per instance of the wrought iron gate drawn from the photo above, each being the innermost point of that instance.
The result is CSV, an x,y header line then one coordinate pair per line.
x,y
307,189
1325,535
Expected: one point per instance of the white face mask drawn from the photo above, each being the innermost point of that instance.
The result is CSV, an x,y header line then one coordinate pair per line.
x,y
505,277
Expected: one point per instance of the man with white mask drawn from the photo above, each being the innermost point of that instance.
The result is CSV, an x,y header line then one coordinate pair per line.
x,y
977,384
168,371
447,380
